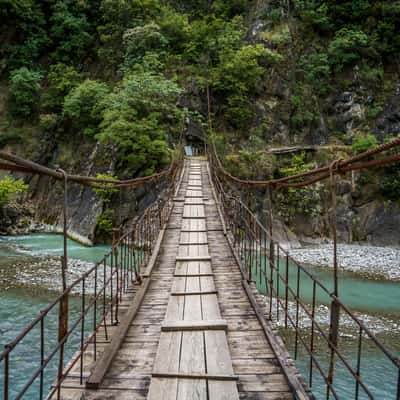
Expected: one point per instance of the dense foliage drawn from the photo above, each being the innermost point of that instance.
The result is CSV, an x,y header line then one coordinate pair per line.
x,y
105,69
124,72
9,188
24,92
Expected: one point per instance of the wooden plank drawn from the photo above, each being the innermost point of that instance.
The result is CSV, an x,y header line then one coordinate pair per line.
x,y
217,353
192,284
210,307
192,353
175,308
163,388
207,284
193,225
204,267
194,293
192,310
168,353
222,390
104,362
193,268
193,250
196,202
182,268
189,243
195,258
192,389
209,377
171,326
193,211
179,284
194,193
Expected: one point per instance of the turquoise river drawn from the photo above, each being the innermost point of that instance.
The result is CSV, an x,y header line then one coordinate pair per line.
x,y
23,295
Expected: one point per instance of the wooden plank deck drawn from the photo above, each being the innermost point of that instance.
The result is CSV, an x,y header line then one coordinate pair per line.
x,y
196,335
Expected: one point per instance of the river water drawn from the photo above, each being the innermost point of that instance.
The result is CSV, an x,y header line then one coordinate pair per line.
x,y
29,270
29,281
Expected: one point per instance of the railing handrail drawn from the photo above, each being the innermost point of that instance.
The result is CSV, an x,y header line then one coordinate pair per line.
x,y
390,354
145,237
247,227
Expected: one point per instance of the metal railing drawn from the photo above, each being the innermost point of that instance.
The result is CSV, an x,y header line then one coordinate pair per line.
x,y
89,307
325,345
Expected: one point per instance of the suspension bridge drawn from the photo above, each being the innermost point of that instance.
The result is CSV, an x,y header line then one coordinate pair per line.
x,y
175,310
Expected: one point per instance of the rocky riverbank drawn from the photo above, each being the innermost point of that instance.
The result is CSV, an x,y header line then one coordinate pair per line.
x,y
370,260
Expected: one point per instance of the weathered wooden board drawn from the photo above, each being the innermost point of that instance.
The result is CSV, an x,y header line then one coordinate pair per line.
x,y
168,353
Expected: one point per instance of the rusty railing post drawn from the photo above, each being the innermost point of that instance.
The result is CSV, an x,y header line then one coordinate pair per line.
x,y
271,249
335,308
63,310
138,278
115,242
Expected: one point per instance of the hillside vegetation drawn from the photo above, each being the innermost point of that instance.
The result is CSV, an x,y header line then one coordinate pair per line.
x,y
126,74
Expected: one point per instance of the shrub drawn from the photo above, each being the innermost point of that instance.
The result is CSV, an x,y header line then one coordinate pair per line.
x,y
371,74
239,111
84,105
24,92
389,183
229,8
108,191
47,121
364,143
140,40
373,110
9,188
104,223
240,71
314,14
62,79
304,112
347,47
70,31
317,71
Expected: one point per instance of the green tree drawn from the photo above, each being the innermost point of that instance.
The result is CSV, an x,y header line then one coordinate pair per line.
x,y
9,188
116,16
70,32
175,28
141,40
229,8
24,92
28,18
236,78
314,14
104,224
61,79
138,118
84,105
347,47
316,70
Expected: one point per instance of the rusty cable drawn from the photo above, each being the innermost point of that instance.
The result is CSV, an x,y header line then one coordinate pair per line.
x,y
343,166
30,167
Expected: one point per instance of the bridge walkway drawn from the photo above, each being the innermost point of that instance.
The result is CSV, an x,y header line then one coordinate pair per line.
x,y
196,334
